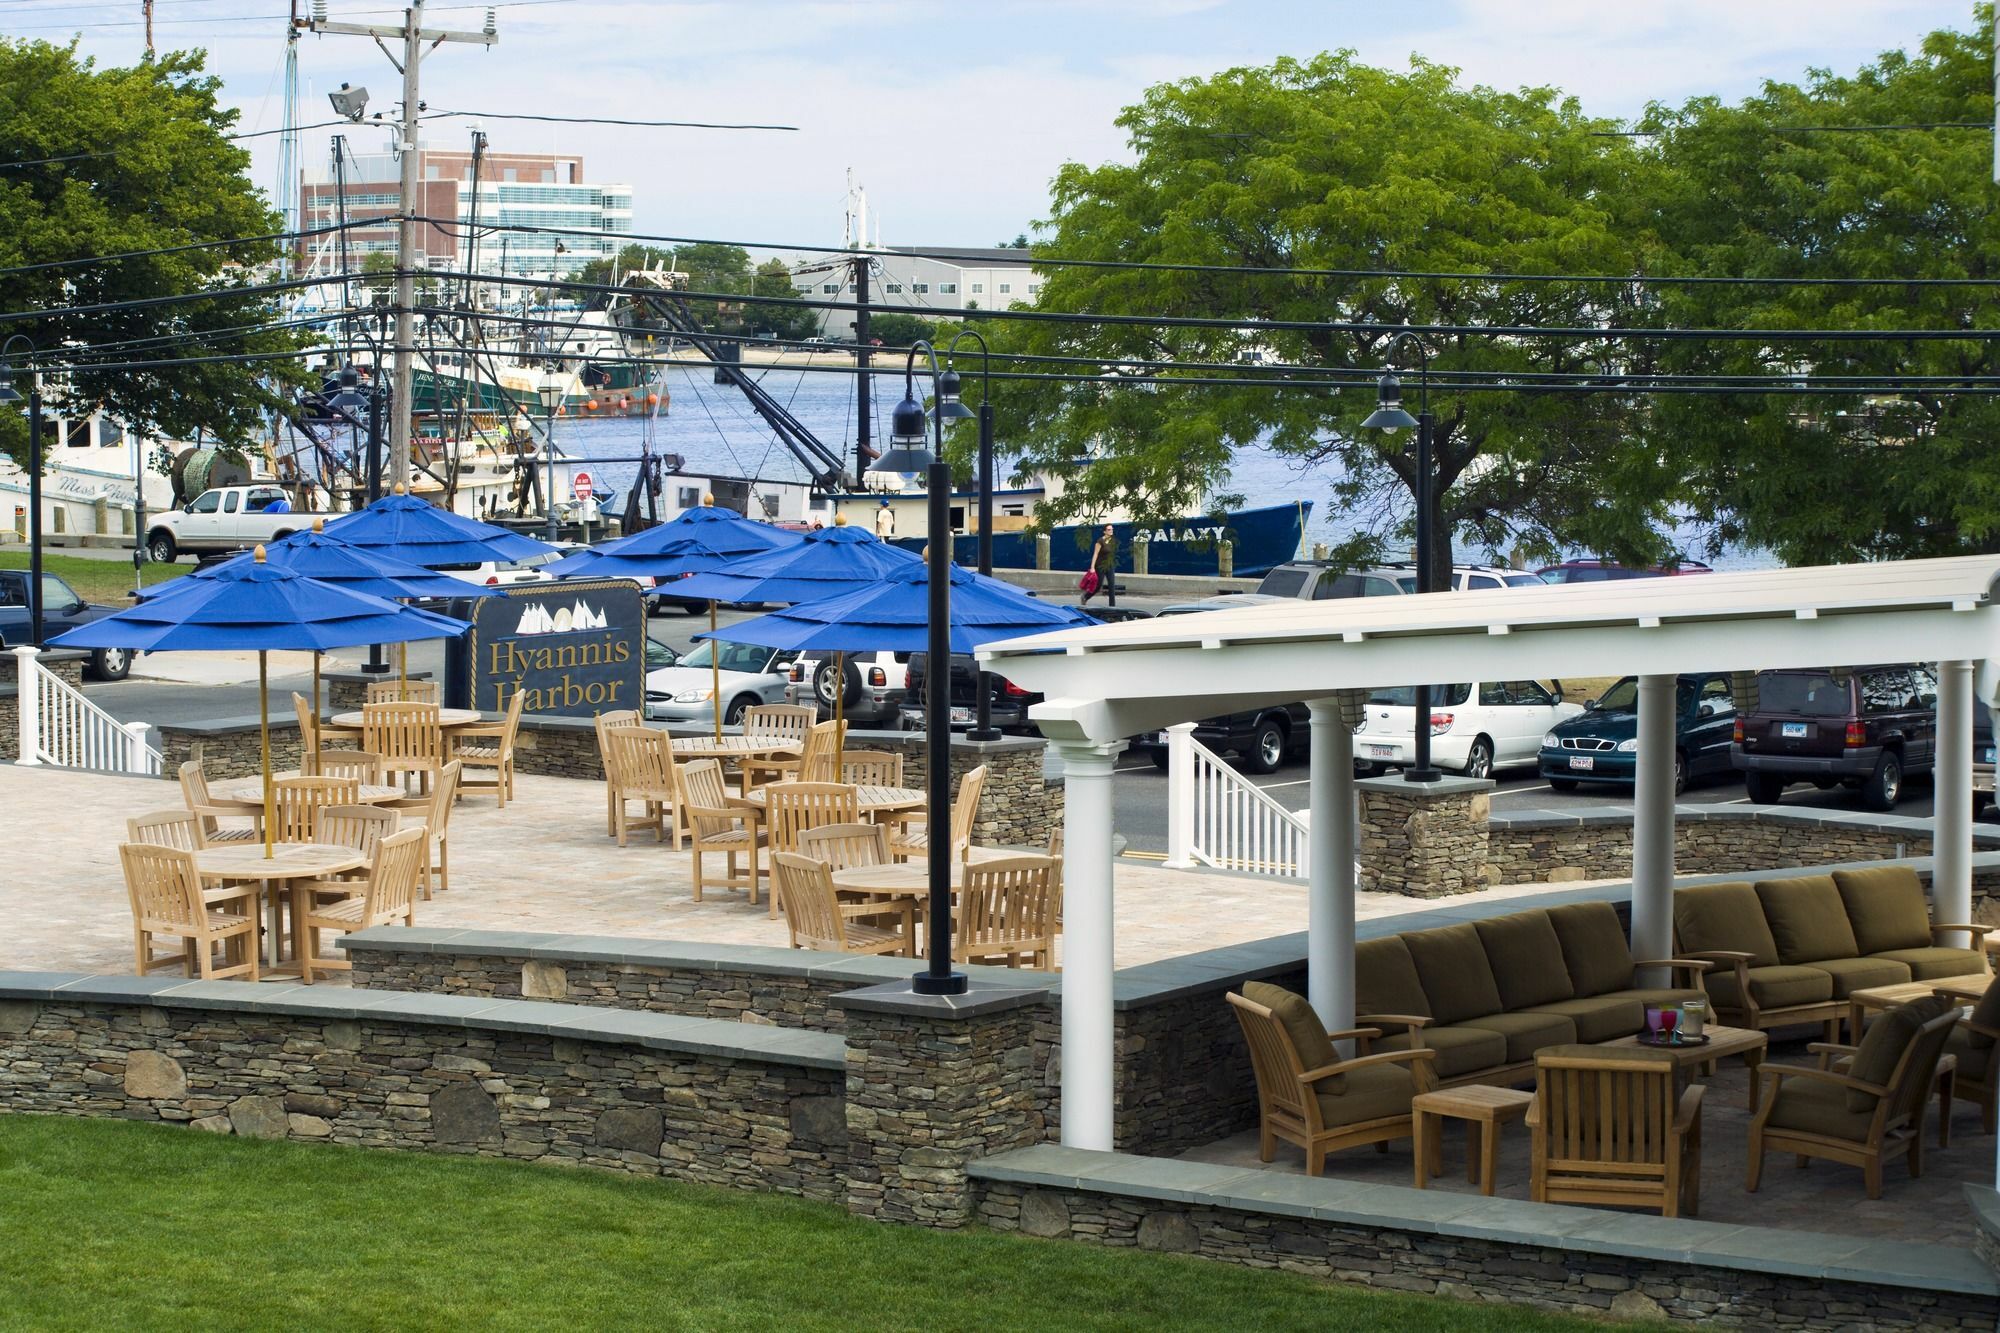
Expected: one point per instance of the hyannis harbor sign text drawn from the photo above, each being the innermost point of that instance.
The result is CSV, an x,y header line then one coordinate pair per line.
x,y
573,649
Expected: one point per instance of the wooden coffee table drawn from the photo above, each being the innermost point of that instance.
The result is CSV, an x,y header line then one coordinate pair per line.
x,y
1722,1042
1968,988
1483,1109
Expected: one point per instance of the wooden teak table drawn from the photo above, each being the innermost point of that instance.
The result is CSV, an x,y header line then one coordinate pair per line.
x,y
1722,1042
1484,1109
1968,988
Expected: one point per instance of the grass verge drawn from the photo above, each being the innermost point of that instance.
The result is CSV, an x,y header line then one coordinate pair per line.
x,y
107,581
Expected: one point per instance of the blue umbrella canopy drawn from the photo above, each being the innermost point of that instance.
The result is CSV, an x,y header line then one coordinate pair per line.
x,y
894,616
700,539
828,563
355,568
418,532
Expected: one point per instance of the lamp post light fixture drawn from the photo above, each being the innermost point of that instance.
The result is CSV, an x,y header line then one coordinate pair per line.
x,y
909,452
10,394
552,391
1390,416
953,409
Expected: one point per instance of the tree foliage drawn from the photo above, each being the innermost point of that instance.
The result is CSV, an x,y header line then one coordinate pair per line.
x,y
146,167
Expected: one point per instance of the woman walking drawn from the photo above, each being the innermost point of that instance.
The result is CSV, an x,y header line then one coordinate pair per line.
x,y
1103,565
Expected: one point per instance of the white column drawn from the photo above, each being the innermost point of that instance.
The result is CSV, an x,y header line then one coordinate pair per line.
x,y
1089,1060
1180,796
1653,821
27,697
1951,815
135,748
1330,868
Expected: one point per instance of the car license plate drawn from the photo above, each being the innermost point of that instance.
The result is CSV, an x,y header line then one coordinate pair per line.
x,y
1582,762
1382,751
959,715
1797,729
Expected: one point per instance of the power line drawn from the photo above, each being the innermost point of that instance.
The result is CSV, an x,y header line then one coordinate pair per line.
x,y
300,235
603,120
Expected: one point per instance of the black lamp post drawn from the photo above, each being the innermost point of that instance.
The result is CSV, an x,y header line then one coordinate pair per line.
x,y
1389,415
9,394
552,388
346,402
951,408
908,452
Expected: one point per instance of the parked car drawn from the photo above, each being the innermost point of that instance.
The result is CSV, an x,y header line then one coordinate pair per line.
x,y
1982,756
225,518
869,687
1009,702
62,610
1475,729
659,655
1472,578
1601,744
685,691
1868,729
1261,738
1603,571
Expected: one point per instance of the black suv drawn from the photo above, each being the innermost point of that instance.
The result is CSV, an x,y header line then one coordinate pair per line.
x,y
1261,737
1868,728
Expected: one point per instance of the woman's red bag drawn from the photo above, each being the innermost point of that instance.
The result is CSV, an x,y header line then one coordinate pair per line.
x,y
1088,583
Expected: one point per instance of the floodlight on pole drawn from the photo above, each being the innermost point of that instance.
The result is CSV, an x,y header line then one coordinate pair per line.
x,y
350,102
1390,416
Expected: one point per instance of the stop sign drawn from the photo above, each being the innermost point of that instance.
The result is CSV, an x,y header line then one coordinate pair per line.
x,y
581,485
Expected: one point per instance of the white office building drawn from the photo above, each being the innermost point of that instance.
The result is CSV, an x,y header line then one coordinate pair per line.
x,y
931,281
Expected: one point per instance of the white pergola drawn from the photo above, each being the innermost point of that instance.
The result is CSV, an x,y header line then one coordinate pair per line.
x,y
1108,682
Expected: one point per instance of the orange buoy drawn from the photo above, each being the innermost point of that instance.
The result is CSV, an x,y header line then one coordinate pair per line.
x,y
652,400
590,405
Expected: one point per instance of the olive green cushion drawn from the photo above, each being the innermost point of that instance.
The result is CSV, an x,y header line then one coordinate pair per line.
x,y
1301,1024
1885,907
1987,1014
1806,918
1595,952
1813,1107
1451,963
1385,980
1527,1032
1463,1050
1853,974
1645,995
1526,958
1973,1059
1934,961
1374,1093
1883,1046
1774,987
1724,916
1598,1017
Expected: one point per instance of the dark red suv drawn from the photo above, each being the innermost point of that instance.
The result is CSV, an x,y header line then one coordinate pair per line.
x,y
1867,728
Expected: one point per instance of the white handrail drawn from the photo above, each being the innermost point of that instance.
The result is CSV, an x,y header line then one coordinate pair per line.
x,y
1218,817
62,728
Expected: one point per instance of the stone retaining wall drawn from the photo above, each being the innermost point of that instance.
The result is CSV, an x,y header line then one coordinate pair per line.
x,y
229,747
1423,839
67,667
1529,848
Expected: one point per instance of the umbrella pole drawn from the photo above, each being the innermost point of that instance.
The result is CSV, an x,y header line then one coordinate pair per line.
x,y
715,670
839,683
309,763
264,741
403,672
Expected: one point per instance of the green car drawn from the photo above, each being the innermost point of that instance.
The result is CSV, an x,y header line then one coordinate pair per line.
x,y
1602,743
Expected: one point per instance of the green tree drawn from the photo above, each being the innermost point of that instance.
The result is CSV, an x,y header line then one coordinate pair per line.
x,y
1326,163
896,330
774,278
143,165
1745,190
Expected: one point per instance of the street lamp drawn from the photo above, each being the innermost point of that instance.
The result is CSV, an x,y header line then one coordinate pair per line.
x,y
552,391
1390,416
9,394
908,452
950,406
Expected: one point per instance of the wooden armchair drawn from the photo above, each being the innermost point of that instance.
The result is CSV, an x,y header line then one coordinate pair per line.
x,y
817,919
1007,913
361,766
643,766
1873,1110
194,790
618,717
1313,1098
408,738
488,747
167,899
435,810
871,768
784,722
402,692
309,731
386,898
296,804
1975,1045
166,828
713,826
1609,1127
843,846
819,761
913,836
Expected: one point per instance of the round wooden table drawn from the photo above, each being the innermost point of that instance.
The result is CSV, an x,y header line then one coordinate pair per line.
x,y
902,879
247,794
872,800
734,747
447,719
289,861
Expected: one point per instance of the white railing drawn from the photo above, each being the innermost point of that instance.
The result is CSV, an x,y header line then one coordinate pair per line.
x,y
61,728
1217,817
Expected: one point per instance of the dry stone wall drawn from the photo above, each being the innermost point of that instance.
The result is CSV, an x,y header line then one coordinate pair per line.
x,y
229,748
1423,839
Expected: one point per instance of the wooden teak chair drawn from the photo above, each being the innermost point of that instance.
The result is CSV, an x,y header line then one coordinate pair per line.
x,y
715,827
194,790
403,692
167,899
820,760
1609,1128
784,722
387,897
297,802
617,717
817,919
435,811
166,828
359,765
408,738
871,768
643,766
1007,913
843,846
913,837
489,747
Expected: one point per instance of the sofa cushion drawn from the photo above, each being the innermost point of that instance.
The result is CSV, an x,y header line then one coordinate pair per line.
x,y
1807,919
1934,961
1527,1032
1883,1046
1598,1017
1987,1014
1885,907
1457,981
1813,1107
1724,916
1463,1050
1595,952
1853,974
1526,958
1385,979
1308,1034
1374,1093
1774,987
1973,1060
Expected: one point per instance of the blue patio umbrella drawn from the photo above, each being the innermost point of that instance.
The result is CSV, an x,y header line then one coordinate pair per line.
x,y
255,606
699,540
417,531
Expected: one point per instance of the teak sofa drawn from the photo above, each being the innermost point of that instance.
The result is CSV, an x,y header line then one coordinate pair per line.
x,y
1487,995
1792,950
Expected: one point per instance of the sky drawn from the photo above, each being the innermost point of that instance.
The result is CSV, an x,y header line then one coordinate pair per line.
x,y
953,117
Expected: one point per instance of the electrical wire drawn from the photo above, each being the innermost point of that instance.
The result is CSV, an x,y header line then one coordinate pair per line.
x,y
286,236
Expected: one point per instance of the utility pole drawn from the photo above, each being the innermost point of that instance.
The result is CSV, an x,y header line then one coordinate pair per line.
x,y
414,36
863,450
149,28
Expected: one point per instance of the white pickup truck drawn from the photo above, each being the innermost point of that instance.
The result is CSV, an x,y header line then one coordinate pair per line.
x,y
225,518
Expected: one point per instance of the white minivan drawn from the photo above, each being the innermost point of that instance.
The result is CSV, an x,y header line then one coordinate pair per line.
x,y
1475,729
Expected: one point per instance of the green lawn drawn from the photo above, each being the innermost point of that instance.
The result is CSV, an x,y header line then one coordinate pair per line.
x,y
108,581
109,1224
